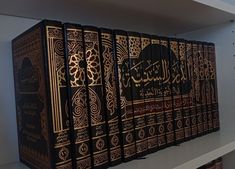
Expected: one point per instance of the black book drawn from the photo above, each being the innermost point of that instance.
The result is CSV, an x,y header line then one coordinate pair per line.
x,y
197,88
202,83
158,65
138,93
109,85
41,97
207,87
185,89
149,89
76,71
213,87
167,91
124,96
192,103
96,107
175,80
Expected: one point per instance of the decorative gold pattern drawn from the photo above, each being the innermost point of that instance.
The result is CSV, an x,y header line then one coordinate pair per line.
x,y
80,116
92,58
58,98
95,107
134,47
55,56
83,149
115,140
129,137
30,45
108,62
100,144
63,153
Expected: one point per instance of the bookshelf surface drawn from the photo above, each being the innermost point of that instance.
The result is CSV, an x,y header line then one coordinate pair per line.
x,y
191,154
165,17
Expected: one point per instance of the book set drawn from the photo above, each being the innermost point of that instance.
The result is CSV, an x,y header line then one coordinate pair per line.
x,y
89,97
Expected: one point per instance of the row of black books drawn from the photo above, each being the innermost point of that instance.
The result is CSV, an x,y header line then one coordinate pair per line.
x,y
89,97
215,164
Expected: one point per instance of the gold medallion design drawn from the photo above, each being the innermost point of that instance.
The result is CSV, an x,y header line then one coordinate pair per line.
x,y
115,140
151,130
129,137
63,153
169,126
100,144
161,128
83,149
141,134
179,124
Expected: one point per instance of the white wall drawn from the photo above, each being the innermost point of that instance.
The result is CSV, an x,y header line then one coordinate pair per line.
x,y
10,27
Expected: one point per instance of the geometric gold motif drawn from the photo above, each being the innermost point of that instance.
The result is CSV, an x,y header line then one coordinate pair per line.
x,y
63,153
115,140
80,108
129,138
100,144
109,74
141,134
83,149
95,107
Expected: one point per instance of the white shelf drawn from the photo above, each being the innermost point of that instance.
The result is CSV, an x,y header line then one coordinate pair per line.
x,y
162,16
188,155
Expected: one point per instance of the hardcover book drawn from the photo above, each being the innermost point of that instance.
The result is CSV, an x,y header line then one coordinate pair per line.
x,y
213,87
124,96
197,88
175,82
192,105
157,69
219,163
138,92
77,92
166,89
202,81
41,97
207,87
95,98
109,84
148,79
185,89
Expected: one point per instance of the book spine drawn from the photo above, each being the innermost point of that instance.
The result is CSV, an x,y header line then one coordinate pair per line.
x,y
138,93
124,96
213,84
207,87
219,163
58,96
201,65
109,82
192,105
167,93
185,89
149,92
95,98
157,66
175,79
31,99
197,88
77,95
